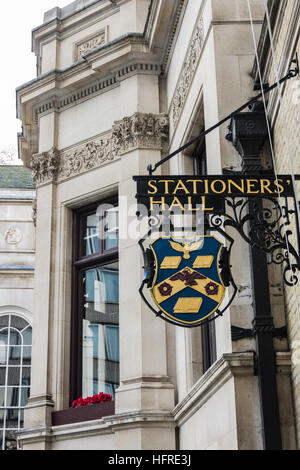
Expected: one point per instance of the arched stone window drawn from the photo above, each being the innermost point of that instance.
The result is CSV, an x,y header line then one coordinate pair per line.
x,y
15,362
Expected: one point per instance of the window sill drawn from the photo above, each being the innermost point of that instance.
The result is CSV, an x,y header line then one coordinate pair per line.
x,y
85,413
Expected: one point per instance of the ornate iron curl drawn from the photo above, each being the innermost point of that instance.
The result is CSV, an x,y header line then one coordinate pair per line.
x,y
264,228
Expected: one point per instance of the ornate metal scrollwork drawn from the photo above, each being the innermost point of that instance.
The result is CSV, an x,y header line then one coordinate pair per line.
x,y
264,224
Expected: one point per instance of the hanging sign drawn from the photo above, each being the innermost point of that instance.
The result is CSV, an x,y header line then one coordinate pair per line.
x,y
186,192
187,280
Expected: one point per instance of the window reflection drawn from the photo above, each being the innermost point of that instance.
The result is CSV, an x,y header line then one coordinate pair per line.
x,y
101,330
111,228
92,241
101,231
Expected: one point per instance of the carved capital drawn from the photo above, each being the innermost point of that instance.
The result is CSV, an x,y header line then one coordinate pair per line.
x,y
45,166
140,131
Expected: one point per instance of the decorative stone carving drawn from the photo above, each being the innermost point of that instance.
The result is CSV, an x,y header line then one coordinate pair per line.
x,y
45,166
188,72
13,236
141,131
90,44
138,131
86,157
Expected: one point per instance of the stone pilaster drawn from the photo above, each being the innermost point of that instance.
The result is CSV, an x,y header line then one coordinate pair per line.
x,y
145,397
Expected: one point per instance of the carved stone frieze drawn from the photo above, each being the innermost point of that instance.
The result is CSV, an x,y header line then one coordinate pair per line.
x,y
148,131
187,73
86,157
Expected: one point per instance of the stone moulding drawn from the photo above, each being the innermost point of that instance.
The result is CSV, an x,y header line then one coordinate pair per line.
x,y
57,104
187,73
144,131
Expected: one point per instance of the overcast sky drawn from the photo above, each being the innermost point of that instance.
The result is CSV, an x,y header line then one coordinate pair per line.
x,y
18,64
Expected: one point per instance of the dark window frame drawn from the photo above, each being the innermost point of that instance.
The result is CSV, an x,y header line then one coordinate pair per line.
x,y
80,263
208,331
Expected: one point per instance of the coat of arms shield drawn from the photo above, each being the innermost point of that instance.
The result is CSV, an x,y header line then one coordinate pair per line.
x,y
187,284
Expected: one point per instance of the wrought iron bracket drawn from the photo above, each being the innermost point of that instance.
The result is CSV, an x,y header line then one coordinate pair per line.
x,y
293,72
238,333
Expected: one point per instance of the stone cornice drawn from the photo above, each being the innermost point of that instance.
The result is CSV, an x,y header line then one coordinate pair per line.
x,y
57,81
130,49
173,35
130,43
106,426
56,103
139,418
62,27
140,131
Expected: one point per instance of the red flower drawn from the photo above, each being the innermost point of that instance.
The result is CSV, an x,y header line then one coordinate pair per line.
x,y
100,398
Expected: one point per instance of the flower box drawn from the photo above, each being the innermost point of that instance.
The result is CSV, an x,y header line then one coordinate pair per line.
x,y
84,413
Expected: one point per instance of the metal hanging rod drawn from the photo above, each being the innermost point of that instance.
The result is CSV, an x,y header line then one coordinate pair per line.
x,y
293,72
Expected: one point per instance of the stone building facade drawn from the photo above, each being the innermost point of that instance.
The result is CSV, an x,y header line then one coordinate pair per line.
x,y
120,84
17,260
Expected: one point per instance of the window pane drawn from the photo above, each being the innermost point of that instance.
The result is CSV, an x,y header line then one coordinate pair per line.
x,y
111,228
12,419
112,343
2,375
21,418
100,329
18,322
101,292
3,337
91,239
26,355
24,395
4,321
3,355
15,337
2,395
12,396
27,336
26,376
13,376
2,416
14,358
